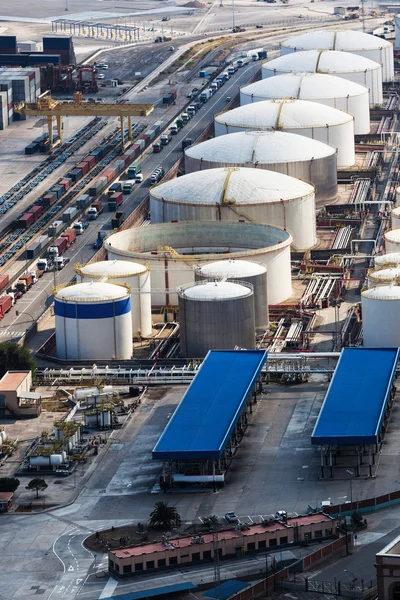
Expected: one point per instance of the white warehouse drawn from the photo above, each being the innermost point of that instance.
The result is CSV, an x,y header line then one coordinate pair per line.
x,y
331,62
287,153
175,250
325,89
356,42
322,123
234,194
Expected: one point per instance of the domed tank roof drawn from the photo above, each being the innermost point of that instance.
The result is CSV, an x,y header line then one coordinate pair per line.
x,y
215,290
112,268
232,268
346,40
232,185
307,86
291,114
92,292
321,61
385,274
383,292
391,258
260,147
396,211
393,235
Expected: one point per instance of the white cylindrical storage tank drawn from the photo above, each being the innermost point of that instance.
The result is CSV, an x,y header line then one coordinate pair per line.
x,y
395,218
215,315
243,270
83,393
287,153
175,250
39,461
93,321
128,273
397,31
398,195
355,42
325,89
56,460
389,276
331,62
392,240
380,316
312,120
233,194
392,259
105,418
3,435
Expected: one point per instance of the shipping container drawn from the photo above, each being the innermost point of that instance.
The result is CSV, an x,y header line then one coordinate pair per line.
x,y
84,166
114,187
4,279
70,235
49,199
55,228
83,201
75,174
37,246
91,160
61,244
65,182
58,189
26,220
115,200
117,220
5,305
69,214
37,211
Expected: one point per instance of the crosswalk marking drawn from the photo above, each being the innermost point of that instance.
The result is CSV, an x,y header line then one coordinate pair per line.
x,y
6,333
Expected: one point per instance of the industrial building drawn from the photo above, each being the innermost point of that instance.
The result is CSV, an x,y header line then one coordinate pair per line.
x,y
349,430
387,565
233,543
356,42
336,92
323,123
280,151
175,250
235,193
355,68
204,433
16,397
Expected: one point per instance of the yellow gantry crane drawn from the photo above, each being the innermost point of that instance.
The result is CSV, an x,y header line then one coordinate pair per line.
x,y
46,106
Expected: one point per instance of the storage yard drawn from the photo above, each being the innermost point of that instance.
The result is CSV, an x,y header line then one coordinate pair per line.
x,y
200,249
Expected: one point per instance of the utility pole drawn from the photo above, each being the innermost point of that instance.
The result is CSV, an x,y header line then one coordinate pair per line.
x,y
217,566
363,14
233,15
66,5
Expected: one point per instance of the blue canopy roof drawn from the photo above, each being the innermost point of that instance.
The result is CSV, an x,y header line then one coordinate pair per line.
x,y
227,589
355,403
211,406
154,592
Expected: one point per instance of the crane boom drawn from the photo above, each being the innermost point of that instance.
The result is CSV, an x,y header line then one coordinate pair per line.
x,y
46,106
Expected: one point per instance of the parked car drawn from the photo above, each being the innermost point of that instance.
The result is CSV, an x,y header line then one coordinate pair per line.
x,y
231,517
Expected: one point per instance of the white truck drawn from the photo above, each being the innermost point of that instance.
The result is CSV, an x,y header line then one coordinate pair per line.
x,y
78,226
92,213
43,264
60,262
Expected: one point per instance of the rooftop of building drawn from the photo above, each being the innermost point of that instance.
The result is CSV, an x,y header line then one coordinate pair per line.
x,y
12,380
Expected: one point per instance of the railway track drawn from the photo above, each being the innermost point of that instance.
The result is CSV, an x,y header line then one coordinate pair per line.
x,y
14,240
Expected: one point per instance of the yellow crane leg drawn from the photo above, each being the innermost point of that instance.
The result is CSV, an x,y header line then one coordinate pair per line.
x,y
121,119
50,128
59,128
130,128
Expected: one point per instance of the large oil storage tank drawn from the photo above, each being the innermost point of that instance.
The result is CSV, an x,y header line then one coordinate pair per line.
x,y
392,240
388,276
312,120
325,89
395,218
331,62
128,273
175,250
287,153
237,193
93,321
215,315
356,42
392,259
243,270
381,315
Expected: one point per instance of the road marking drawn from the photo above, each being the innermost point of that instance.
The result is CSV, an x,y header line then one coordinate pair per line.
x,y
71,568
78,581
108,588
250,519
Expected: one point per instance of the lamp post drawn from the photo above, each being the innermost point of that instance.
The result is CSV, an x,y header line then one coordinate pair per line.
x,y
351,485
353,581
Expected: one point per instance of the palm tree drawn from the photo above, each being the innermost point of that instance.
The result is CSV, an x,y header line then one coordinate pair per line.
x,y
164,515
